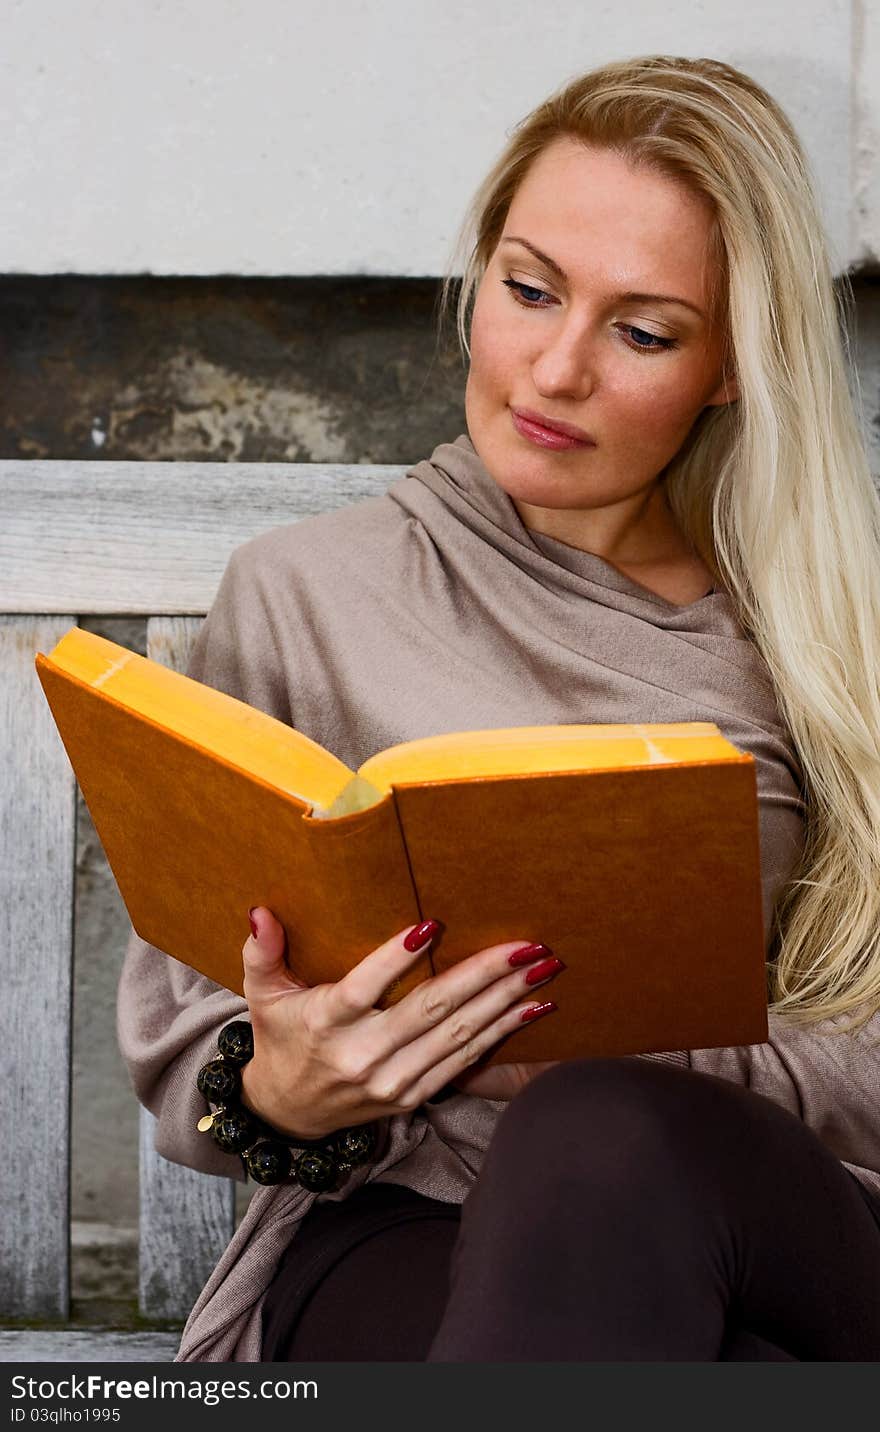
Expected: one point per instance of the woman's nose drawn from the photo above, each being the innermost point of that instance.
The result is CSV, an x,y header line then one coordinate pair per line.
x,y
565,367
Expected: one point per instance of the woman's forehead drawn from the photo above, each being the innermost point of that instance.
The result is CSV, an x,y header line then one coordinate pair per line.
x,y
593,213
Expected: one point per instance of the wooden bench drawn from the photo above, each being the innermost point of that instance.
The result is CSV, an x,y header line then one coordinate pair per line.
x,y
78,540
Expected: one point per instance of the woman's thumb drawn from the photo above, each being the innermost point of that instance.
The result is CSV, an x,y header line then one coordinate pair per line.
x,y
265,968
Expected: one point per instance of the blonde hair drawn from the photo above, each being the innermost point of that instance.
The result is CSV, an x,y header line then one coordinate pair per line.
x,y
773,490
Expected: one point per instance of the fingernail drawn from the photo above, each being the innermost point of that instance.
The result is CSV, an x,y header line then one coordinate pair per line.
x,y
536,1010
527,954
421,934
253,922
545,968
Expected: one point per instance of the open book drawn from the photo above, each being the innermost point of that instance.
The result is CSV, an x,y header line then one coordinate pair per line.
x,y
631,850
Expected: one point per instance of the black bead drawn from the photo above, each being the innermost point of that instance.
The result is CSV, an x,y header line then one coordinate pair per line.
x,y
234,1130
268,1161
316,1170
219,1081
236,1042
354,1146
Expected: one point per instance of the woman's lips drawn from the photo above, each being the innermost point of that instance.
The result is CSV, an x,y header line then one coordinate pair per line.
x,y
546,437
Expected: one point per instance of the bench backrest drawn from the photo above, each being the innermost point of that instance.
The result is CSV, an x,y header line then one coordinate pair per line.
x,y
83,539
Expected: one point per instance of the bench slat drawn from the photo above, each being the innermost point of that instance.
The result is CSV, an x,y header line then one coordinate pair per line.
x,y
146,539
37,840
186,1220
186,1217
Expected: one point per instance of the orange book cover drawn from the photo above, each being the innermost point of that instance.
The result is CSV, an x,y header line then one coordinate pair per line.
x,y
631,850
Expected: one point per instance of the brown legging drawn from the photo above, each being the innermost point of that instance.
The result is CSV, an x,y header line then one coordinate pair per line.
x,y
625,1211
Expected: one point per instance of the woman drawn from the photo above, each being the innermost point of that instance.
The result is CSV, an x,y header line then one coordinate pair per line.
x,y
648,274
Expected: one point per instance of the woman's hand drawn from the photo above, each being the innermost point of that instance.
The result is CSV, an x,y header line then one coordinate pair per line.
x,y
500,1081
325,1057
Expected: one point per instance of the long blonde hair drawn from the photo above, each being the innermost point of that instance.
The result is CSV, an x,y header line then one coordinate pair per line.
x,y
773,490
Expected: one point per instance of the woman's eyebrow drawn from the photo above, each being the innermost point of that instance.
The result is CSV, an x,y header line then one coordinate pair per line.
x,y
630,296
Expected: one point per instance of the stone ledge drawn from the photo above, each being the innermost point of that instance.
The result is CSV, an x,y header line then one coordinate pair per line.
x,y
103,1261
86,1345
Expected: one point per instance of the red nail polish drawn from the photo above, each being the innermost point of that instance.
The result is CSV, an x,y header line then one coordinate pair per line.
x,y
527,954
252,921
421,935
544,969
536,1010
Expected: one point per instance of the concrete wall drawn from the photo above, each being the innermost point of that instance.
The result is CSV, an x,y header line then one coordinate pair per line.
x,y
297,137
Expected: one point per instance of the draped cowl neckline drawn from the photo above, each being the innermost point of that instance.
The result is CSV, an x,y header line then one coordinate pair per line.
x,y
457,474
455,483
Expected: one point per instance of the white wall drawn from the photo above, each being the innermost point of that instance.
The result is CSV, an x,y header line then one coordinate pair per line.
x,y
346,136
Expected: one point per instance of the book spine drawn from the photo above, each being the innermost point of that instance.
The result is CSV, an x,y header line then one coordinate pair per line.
x,y
364,887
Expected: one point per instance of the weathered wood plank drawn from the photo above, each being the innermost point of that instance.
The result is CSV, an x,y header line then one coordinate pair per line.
x,y
85,1345
186,1218
37,863
144,538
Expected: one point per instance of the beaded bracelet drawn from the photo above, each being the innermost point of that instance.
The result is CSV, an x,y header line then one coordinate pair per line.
x,y
268,1156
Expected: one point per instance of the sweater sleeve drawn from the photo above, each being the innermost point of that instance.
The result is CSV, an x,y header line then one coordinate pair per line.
x,y
168,1015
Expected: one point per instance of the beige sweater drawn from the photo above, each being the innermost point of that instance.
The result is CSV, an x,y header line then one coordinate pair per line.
x,y
433,608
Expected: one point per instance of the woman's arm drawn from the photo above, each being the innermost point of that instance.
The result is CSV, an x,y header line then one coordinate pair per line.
x,y
168,1020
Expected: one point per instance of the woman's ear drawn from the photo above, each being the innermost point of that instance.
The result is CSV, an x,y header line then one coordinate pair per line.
x,y
726,392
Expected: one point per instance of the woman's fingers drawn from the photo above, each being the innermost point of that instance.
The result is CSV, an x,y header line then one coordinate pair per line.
x,y
360,991
266,976
332,1057
443,1013
365,984
471,992
439,1055
500,1081
462,1057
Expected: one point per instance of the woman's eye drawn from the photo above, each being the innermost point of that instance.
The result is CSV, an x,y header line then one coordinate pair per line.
x,y
522,293
656,343
638,340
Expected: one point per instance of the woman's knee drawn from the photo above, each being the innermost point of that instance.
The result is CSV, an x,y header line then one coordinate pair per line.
x,y
599,1140
602,1092
626,1119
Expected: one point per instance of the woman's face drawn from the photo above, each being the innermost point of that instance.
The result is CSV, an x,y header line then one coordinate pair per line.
x,y
575,346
